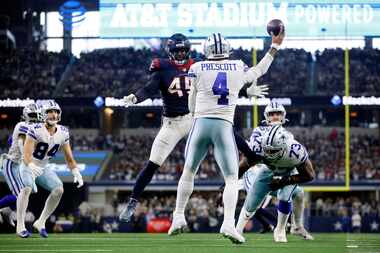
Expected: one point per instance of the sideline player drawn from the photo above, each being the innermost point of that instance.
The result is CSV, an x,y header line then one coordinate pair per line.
x,y
42,142
10,162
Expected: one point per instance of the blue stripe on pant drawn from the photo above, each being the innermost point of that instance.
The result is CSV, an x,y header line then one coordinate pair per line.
x,y
219,134
12,177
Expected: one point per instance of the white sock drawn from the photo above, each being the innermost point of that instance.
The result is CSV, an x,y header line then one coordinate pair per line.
x,y
50,205
244,217
298,210
184,191
22,205
230,197
282,219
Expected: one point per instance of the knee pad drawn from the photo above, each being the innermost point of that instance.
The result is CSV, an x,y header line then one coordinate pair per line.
x,y
284,206
231,180
27,190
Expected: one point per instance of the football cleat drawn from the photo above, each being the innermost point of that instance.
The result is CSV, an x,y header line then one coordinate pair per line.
x,y
232,234
24,234
301,231
279,236
179,225
41,230
266,229
129,210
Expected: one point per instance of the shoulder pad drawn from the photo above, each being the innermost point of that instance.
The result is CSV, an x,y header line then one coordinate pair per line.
x,y
37,125
63,128
22,127
189,63
297,151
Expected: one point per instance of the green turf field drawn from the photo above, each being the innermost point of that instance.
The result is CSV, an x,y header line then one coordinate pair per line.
x,y
194,243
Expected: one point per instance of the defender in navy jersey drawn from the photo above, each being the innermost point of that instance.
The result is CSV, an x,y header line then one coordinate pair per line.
x,y
169,77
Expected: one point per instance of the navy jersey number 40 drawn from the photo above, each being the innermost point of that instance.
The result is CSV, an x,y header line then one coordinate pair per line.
x,y
42,149
220,88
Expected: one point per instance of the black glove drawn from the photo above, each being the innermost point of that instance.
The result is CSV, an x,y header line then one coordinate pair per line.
x,y
278,183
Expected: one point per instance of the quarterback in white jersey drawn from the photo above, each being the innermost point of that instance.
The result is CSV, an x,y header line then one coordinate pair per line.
x,y
286,164
216,83
42,143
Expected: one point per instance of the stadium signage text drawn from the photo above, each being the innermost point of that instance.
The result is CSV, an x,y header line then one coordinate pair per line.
x,y
236,19
117,102
361,100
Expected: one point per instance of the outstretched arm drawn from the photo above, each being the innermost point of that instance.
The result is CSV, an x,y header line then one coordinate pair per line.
x,y
262,67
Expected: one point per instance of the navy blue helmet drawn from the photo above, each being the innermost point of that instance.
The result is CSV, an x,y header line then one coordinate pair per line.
x,y
178,48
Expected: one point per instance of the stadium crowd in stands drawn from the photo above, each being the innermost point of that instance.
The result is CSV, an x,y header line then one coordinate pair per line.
x,y
341,206
113,72
326,151
34,74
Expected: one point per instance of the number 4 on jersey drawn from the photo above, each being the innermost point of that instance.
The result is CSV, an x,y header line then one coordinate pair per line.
x,y
220,88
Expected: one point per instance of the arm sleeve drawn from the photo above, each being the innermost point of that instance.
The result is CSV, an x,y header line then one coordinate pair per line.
x,y
245,149
32,134
193,90
20,143
150,89
260,69
67,137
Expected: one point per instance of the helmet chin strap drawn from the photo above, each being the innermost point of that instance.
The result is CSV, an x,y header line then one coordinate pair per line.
x,y
51,123
275,123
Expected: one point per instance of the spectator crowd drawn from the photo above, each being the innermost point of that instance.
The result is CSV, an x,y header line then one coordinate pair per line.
x,y
327,152
115,71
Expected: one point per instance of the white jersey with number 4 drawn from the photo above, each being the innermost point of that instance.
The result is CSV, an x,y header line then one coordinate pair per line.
x,y
216,85
47,145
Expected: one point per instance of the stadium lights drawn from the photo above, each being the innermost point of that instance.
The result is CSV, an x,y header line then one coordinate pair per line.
x,y
99,101
108,111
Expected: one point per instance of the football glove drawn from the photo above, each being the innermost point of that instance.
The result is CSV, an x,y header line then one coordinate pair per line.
x,y
257,90
36,170
77,177
129,100
279,182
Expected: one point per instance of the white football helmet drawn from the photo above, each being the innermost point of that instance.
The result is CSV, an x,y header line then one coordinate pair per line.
x,y
274,107
275,142
47,106
217,47
31,113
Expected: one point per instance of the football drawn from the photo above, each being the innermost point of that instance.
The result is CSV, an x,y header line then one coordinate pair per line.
x,y
275,26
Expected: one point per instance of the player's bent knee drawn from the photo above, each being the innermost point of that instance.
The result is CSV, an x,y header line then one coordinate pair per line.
x,y
27,190
157,160
57,192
